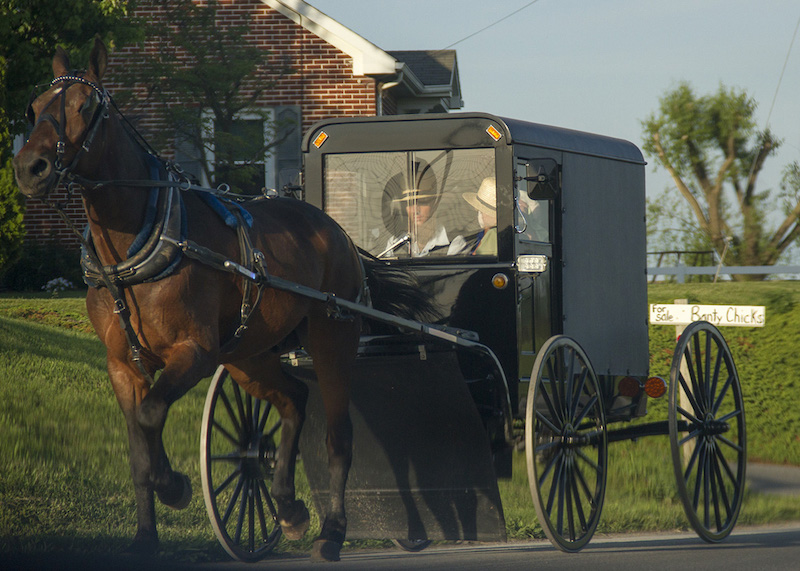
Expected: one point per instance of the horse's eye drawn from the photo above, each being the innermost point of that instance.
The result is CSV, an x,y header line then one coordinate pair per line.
x,y
30,115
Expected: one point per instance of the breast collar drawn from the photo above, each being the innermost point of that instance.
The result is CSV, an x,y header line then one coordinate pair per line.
x,y
150,258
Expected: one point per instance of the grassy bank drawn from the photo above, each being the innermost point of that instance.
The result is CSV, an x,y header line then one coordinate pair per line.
x,y
65,482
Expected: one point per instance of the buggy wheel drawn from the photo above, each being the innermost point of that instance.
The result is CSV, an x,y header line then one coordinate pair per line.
x,y
412,545
566,443
238,450
707,431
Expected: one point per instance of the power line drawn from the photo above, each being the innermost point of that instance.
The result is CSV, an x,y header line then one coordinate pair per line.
x,y
490,25
780,79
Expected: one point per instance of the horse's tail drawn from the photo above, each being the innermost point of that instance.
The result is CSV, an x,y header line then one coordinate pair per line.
x,y
397,292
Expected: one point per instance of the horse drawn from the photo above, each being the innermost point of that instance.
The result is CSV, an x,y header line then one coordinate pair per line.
x,y
179,324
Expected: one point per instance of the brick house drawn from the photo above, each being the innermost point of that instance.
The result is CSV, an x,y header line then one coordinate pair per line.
x,y
337,73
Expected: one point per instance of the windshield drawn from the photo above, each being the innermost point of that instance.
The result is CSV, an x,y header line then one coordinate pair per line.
x,y
415,203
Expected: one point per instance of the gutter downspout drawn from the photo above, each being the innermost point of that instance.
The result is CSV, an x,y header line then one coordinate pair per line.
x,y
381,87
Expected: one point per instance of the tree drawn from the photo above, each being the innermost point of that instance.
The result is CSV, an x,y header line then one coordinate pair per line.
x,y
31,30
11,226
204,76
713,150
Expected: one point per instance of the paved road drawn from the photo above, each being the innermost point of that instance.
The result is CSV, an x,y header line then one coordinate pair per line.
x,y
773,548
770,479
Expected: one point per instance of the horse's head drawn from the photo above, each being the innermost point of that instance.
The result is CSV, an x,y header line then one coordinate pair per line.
x,y
65,119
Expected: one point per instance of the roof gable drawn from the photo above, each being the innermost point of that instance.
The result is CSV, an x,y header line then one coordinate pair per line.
x,y
368,59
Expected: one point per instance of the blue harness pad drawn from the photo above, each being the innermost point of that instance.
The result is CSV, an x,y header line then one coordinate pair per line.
x,y
216,204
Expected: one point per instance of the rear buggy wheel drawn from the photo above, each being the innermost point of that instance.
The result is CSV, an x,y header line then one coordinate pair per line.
x,y
566,443
707,431
238,450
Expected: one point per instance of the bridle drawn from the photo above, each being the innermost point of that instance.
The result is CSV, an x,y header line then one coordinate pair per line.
x,y
65,173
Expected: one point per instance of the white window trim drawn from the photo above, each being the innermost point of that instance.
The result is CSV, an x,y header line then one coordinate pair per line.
x,y
270,176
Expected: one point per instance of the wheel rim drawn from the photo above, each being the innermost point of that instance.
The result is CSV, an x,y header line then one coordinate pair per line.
x,y
238,450
566,443
707,431
412,545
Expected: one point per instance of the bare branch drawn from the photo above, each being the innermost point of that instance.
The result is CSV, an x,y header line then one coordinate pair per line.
x,y
684,190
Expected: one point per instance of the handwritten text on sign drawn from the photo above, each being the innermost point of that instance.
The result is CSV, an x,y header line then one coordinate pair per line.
x,y
719,315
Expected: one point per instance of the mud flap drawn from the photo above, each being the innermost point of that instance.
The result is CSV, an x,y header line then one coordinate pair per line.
x,y
422,466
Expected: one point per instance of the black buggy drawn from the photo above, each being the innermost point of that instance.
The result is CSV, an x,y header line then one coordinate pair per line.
x,y
533,252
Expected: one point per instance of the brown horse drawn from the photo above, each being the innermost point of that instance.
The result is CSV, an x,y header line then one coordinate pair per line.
x,y
181,322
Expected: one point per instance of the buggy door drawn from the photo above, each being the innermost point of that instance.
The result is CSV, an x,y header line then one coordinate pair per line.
x,y
535,196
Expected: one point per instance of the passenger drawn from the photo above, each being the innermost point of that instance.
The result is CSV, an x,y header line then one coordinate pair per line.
x,y
425,233
485,201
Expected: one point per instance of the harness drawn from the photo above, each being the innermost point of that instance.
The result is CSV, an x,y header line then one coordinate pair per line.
x,y
157,249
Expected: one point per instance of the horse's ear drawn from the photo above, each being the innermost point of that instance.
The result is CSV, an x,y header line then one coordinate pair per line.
x,y
60,62
98,59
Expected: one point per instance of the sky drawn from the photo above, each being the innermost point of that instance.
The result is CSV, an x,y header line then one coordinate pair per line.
x,y
601,66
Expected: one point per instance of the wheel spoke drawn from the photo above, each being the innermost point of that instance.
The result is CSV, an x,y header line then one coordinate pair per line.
x,y
589,406
233,475
722,393
692,401
546,421
237,538
580,390
231,414
233,499
555,406
576,494
236,441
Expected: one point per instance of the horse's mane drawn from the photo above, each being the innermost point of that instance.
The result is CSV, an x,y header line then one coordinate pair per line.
x,y
397,292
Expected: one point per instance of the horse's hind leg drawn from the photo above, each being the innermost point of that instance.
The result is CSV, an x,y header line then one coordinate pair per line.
x,y
333,346
263,378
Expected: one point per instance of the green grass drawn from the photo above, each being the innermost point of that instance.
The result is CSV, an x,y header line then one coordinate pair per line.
x,y
64,476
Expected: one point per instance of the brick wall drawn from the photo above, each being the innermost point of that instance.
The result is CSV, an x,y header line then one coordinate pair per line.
x,y
322,85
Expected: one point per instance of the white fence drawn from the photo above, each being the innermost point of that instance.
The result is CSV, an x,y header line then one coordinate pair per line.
x,y
788,272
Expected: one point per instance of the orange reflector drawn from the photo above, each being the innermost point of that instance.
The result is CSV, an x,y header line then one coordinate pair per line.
x,y
493,132
500,281
629,387
655,387
321,138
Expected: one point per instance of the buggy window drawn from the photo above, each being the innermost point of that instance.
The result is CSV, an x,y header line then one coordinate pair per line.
x,y
415,203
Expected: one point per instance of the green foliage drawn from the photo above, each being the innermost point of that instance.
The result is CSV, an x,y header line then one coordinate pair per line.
x,y
12,228
31,30
713,150
38,263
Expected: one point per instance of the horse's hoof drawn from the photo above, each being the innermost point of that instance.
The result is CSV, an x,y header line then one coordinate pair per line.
x,y
325,550
181,499
295,526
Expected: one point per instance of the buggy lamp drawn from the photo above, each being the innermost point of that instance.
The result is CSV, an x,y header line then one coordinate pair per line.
x,y
532,264
629,387
655,387
500,281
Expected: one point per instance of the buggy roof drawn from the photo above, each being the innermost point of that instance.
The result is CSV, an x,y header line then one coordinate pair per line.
x,y
516,132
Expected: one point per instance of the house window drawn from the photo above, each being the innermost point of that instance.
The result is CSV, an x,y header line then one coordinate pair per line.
x,y
257,152
239,156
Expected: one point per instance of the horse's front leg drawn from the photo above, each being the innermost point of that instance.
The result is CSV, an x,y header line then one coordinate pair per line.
x,y
186,365
130,389
145,410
